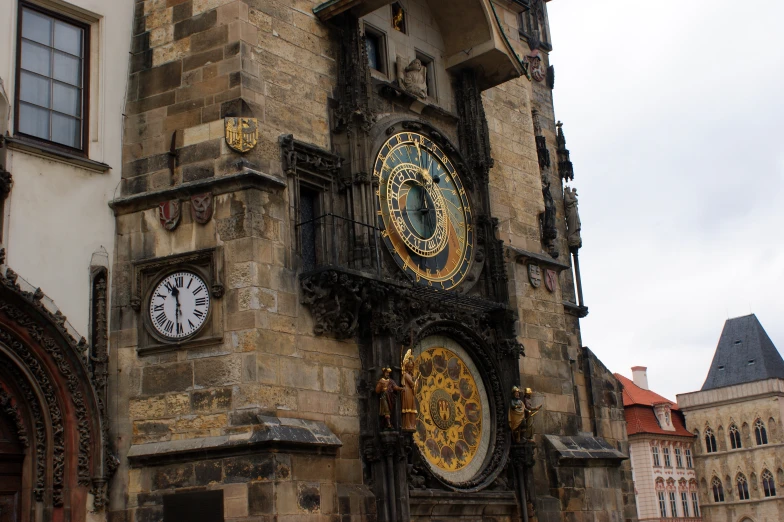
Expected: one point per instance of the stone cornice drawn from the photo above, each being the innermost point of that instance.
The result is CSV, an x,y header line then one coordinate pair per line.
x,y
701,400
246,179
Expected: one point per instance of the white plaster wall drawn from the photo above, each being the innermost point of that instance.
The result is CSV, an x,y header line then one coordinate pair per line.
x,y
57,214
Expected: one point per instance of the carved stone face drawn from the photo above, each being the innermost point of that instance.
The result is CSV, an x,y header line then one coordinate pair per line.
x,y
535,275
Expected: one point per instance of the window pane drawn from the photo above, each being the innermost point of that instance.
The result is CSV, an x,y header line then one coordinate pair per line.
x,y
68,38
66,130
33,121
36,58
36,26
67,99
67,69
35,89
371,43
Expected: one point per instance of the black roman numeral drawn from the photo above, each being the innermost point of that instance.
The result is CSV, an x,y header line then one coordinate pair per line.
x,y
179,281
198,290
157,308
168,286
198,313
189,282
160,318
191,324
169,326
179,328
201,301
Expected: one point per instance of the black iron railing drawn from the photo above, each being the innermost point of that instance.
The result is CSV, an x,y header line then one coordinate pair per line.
x,y
332,240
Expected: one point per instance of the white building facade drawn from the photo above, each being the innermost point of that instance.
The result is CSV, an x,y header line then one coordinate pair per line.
x,y
661,452
63,75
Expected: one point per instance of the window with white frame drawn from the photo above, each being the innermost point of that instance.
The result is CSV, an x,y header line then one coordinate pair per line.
x,y
678,457
52,65
685,503
667,461
662,505
655,453
695,503
673,505
689,463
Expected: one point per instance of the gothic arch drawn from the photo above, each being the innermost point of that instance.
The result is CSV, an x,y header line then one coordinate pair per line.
x,y
54,391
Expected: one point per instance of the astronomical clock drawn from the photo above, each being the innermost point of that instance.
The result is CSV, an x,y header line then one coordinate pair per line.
x,y
424,211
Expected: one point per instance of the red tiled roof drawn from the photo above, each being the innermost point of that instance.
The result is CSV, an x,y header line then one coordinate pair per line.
x,y
641,419
638,409
634,395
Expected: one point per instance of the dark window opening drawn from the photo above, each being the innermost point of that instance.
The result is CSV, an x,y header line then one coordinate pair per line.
x,y
52,78
760,433
768,485
197,506
743,487
735,437
308,206
718,490
375,44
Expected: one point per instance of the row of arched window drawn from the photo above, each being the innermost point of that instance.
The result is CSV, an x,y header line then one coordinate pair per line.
x,y
736,441
741,486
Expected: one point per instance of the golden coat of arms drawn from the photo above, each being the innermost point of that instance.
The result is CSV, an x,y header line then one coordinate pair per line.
x,y
242,134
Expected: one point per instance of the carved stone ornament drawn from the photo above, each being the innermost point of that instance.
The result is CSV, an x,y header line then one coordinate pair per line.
x,y
535,65
201,208
550,280
169,214
535,275
412,77
56,367
242,134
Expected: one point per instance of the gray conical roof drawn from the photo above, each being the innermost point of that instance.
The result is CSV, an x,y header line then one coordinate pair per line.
x,y
745,354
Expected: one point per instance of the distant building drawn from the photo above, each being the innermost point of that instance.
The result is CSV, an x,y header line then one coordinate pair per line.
x,y
736,417
661,452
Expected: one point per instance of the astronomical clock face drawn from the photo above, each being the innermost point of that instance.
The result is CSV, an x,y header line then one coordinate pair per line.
x,y
453,424
179,305
423,211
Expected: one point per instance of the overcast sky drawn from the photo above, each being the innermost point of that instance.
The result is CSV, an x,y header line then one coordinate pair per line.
x,y
674,115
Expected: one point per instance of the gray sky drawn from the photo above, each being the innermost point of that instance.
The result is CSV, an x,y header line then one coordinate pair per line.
x,y
674,116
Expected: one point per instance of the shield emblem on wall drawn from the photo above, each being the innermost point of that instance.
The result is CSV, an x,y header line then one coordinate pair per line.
x,y
242,134
535,275
201,208
550,278
169,214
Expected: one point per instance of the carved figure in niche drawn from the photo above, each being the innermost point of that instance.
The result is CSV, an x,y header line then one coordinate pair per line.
x,y
398,18
386,388
413,77
549,229
573,225
407,396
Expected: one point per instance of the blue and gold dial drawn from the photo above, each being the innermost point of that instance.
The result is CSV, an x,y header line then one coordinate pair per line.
x,y
423,211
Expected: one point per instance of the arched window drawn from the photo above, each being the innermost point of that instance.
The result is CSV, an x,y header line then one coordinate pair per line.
x,y
734,437
768,485
710,441
743,487
718,490
760,433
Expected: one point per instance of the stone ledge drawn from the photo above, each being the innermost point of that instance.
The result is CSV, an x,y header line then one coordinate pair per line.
x,y
582,451
523,256
243,180
297,435
575,310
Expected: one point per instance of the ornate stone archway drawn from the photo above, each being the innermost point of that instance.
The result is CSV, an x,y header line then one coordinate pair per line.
x,y
52,392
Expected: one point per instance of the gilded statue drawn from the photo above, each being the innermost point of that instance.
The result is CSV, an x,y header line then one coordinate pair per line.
x,y
521,414
413,77
407,395
398,18
573,225
386,389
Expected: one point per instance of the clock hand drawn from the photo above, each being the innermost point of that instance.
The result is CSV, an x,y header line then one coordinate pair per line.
x,y
176,293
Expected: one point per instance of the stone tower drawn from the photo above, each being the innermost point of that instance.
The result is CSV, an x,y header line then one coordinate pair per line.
x,y
342,257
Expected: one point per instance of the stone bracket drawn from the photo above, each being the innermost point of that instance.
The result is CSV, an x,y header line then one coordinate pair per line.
x,y
582,451
524,257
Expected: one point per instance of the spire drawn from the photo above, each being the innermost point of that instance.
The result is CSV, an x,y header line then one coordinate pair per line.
x,y
744,354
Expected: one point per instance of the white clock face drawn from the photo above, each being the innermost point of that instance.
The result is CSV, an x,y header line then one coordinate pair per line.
x,y
179,305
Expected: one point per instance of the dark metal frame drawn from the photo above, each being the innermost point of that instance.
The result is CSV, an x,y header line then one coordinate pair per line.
x,y
84,150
